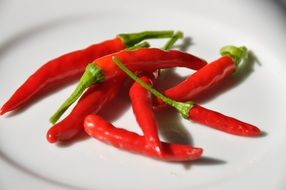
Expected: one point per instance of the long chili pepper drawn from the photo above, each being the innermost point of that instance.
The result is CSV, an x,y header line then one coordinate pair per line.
x,y
72,65
191,111
209,75
141,100
102,130
142,104
221,122
91,101
144,59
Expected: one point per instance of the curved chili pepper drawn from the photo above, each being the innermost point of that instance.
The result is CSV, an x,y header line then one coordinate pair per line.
x,y
102,130
144,59
91,102
72,65
209,75
197,113
142,104
141,100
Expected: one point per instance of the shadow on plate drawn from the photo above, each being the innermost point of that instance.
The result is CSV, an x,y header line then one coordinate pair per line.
x,y
82,136
281,4
204,161
171,129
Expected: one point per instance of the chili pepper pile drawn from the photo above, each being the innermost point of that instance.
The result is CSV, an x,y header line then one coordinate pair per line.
x,y
103,68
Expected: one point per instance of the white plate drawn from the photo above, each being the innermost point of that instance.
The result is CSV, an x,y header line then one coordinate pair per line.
x,y
33,32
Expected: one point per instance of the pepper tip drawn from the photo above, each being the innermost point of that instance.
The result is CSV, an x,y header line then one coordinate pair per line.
x,y
2,111
51,138
196,153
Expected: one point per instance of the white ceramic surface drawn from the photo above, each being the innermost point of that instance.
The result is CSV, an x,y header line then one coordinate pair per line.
x,y
33,32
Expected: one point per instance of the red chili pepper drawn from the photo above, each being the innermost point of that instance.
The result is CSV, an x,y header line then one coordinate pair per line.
x,y
142,104
209,75
102,130
72,65
144,59
221,122
142,107
149,60
199,114
91,102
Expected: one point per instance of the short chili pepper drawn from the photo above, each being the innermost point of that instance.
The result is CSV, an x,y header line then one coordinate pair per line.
x,y
191,111
93,99
209,75
144,59
72,65
102,130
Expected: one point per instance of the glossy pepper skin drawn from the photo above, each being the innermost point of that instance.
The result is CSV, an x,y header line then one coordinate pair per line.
x,y
69,65
149,60
142,106
72,65
222,122
91,102
191,111
102,130
209,75
86,105
142,103
141,60
202,79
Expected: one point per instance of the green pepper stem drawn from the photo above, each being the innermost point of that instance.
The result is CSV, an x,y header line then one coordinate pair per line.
x,y
131,39
137,46
91,75
171,42
173,39
236,53
182,107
